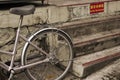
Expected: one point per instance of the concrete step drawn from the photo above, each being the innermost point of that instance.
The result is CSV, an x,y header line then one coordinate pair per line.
x,y
76,29
109,72
96,42
84,65
87,39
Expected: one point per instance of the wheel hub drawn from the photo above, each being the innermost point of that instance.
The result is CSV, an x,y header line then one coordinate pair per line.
x,y
53,59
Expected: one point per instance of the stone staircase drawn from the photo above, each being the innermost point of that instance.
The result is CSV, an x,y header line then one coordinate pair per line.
x,y
96,44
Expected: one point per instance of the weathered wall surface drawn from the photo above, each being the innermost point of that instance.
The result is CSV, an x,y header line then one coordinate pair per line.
x,y
49,15
54,14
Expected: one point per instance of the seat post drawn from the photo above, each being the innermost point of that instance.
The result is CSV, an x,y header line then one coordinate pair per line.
x,y
21,20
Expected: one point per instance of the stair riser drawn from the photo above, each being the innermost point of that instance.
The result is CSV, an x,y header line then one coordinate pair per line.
x,y
92,28
96,46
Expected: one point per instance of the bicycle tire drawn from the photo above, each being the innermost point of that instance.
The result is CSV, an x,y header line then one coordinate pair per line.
x,y
64,64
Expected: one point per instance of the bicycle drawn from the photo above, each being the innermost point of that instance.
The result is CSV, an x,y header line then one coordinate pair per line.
x,y
45,52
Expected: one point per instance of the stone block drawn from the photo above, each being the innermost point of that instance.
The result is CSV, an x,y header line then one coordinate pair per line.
x,y
40,16
106,8
8,20
4,12
3,21
58,14
13,21
78,12
6,35
112,7
118,5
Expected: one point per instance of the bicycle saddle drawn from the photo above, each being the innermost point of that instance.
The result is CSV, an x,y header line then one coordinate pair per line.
x,y
24,10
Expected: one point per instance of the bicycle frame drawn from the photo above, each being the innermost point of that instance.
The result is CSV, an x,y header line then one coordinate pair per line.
x,y
13,53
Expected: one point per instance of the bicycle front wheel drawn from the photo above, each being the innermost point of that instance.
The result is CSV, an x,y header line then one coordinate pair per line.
x,y
58,45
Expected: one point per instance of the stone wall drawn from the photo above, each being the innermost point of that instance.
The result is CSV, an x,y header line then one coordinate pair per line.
x,y
55,14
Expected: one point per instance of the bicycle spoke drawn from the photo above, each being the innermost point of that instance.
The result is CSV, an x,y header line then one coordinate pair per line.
x,y
56,44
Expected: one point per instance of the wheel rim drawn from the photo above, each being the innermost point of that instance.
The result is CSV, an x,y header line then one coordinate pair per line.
x,y
55,63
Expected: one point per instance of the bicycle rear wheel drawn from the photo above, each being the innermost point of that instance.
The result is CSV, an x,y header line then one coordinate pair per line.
x,y
59,47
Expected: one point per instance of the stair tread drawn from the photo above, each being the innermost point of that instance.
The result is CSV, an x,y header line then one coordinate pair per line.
x,y
82,65
96,37
97,55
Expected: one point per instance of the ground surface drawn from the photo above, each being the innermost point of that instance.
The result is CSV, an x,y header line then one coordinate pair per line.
x,y
109,72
